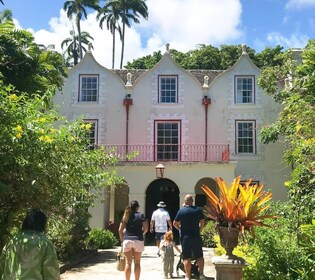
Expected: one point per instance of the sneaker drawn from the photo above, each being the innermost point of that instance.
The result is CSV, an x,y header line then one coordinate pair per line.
x,y
202,277
187,278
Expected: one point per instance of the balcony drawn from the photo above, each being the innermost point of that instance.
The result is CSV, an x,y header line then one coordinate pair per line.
x,y
170,152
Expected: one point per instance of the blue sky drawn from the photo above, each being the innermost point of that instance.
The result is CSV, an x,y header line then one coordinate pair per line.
x,y
182,23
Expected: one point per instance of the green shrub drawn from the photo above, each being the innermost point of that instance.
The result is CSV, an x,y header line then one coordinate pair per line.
x,y
276,250
208,233
99,238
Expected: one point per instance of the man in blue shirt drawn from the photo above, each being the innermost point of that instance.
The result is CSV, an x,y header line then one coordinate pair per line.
x,y
190,221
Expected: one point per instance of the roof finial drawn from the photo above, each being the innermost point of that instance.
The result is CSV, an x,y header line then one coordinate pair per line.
x,y
167,47
129,76
205,82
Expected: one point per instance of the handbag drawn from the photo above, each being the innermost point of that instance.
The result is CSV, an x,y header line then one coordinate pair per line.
x,y
121,262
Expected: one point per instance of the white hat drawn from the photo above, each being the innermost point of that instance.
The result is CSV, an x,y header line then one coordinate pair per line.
x,y
161,204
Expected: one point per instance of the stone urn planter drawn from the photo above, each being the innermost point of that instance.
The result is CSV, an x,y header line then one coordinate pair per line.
x,y
228,239
236,209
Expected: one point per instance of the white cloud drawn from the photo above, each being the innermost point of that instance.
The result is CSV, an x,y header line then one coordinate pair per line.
x,y
300,4
182,23
294,41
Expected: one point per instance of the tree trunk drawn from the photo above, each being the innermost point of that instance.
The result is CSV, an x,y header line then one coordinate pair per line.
x,y
113,51
122,45
79,34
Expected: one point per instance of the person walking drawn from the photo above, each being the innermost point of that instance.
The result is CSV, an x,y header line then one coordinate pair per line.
x,y
190,221
167,246
132,228
159,221
30,254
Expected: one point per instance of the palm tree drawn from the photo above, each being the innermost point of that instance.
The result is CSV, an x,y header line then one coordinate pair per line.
x,y
132,10
72,43
77,8
5,15
112,14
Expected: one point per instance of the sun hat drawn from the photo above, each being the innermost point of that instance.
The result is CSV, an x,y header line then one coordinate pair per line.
x,y
161,204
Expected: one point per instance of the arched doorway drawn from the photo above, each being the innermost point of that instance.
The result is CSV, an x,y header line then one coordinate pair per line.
x,y
161,190
200,199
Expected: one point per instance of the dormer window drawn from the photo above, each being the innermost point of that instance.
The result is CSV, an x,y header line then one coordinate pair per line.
x,y
168,89
244,90
88,88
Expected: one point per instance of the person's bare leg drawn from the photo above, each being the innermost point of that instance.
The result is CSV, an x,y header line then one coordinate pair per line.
x,y
201,264
137,259
128,257
158,243
187,266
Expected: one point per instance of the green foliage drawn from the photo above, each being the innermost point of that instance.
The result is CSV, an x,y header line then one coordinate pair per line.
x,y
210,57
71,53
24,65
69,232
294,86
99,238
277,252
208,233
45,163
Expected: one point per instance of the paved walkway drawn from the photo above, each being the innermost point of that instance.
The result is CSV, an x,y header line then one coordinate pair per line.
x,y
103,266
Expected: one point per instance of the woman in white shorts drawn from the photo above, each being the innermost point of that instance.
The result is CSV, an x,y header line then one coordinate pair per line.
x,y
132,228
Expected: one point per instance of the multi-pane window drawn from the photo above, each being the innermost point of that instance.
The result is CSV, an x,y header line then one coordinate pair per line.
x,y
167,89
244,89
88,88
245,137
91,126
167,140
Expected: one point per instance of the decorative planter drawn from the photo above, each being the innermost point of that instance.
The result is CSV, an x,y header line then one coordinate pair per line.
x,y
228,239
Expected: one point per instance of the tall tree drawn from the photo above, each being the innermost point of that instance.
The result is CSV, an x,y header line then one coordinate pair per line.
x,y
72,44
78,9
24,65
111,14
132,10
5,15
295,123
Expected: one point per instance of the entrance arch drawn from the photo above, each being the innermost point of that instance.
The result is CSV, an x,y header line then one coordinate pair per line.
x,y
161,190
201,200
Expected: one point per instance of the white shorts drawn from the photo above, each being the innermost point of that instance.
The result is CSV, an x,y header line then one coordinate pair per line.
x,y
137,245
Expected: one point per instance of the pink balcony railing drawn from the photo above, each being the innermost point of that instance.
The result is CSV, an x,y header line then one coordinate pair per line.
x,y
171,152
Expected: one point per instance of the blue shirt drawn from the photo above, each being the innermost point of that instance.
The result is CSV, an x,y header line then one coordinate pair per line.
x,y
189,218
134,227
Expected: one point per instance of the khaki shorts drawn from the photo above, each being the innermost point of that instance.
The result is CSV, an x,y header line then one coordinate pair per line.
x,y
137,245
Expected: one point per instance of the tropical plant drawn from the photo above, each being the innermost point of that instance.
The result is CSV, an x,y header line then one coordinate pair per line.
x,y
77,9
24,65
238,206
45,163
293,85
72,44
111,12
5,15
131,11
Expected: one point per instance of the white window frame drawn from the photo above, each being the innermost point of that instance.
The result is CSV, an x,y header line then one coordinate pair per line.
x,y
93,134
168,89
244,91
88,90
250,138
166,149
